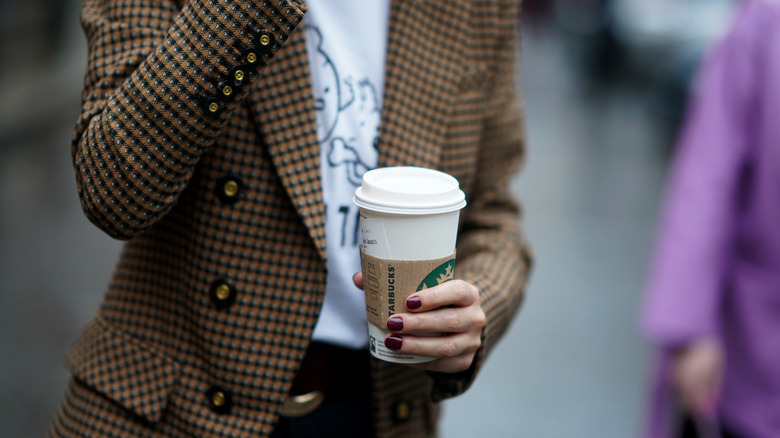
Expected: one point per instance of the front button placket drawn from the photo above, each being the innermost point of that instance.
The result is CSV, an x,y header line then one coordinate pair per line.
x,y
219,399
229,188
222,294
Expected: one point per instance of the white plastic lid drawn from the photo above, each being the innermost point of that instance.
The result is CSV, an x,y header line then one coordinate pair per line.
x,y
409,190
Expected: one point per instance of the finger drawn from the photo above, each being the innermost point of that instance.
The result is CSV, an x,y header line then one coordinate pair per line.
x,y
452,293
442,320
358,279
440,347
452,365
449,364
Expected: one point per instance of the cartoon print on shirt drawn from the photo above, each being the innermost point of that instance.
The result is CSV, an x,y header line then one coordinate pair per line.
x,y
327,92
341,151
347,113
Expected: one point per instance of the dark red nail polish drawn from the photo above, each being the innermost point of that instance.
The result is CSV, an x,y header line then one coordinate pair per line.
x,y
395,324
394,342
413,303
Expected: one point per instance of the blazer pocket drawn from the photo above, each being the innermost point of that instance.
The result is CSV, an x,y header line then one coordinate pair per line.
x,y
123,369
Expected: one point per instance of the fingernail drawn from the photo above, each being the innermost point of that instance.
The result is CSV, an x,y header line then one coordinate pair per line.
x,y
395,324
413,303
394,342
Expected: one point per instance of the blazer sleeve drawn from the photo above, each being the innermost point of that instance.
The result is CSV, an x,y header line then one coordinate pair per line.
x,y
700,212
162,78
492,250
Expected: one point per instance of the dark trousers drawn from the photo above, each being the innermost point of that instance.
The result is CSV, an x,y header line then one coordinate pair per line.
x,y
337,417
343,375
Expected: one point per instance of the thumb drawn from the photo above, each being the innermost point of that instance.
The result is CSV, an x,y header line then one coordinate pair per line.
x,y
358,280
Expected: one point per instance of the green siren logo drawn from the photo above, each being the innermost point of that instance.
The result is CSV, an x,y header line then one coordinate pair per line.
x,y
438,276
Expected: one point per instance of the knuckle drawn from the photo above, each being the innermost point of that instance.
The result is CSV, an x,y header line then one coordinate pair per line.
x,y
462,290
463,363
449,349
466,291
480,319
452,323
414,321
475,344
436,294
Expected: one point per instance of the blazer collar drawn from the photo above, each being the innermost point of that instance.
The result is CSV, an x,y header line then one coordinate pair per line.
x,y
423,64
425,47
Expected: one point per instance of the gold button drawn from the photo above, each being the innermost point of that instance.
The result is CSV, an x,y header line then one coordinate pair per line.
x,y
218,399
227,90
223,292
265,40
402,411
239,75
231,188
213,107
251,58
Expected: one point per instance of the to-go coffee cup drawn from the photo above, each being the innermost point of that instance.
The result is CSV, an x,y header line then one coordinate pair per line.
x,y
409,223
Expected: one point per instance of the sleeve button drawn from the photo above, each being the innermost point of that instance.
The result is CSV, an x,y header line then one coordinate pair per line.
x,y
213,106
226,91
263,40
250,57
238,75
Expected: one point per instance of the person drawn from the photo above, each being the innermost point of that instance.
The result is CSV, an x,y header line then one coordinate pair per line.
x,y
712,299
223,140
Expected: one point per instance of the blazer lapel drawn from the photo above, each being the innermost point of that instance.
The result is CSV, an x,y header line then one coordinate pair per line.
x,y
426,41
424,63
283,107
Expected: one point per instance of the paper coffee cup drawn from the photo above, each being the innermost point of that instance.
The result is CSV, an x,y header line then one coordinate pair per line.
x,y
409,224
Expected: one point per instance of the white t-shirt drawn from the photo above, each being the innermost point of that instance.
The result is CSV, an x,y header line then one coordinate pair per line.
x,y
346,43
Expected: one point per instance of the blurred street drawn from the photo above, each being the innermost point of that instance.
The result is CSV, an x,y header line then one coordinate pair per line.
x,y
573,364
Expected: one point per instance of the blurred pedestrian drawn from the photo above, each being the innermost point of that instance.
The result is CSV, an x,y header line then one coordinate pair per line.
x,y
224,141
713,301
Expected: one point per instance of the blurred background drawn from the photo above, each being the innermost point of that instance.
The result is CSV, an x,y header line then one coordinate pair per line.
x,y
605,84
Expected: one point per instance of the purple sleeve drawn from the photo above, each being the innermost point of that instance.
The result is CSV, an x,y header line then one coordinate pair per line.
x,y
699,213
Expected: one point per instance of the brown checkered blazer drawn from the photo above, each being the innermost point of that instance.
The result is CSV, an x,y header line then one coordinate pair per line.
x,y
197,144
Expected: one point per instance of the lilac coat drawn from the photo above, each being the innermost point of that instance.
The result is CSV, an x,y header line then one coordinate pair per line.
x,y
716,270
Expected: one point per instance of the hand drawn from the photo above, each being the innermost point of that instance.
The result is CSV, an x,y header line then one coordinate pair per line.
x,y
697,372
451,309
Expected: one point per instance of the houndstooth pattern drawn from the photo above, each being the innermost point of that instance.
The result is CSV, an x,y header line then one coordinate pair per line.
x,y
151,162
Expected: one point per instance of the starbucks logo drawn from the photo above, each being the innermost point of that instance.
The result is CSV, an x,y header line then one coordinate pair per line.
x,y
441,274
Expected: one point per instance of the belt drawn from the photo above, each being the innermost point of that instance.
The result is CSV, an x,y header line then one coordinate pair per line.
x,y
304,404
327,371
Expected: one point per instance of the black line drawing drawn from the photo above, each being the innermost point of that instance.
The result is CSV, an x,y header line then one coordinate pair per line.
x,y
347,112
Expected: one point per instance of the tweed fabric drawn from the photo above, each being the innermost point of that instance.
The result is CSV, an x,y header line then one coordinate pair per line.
x,y
217,192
